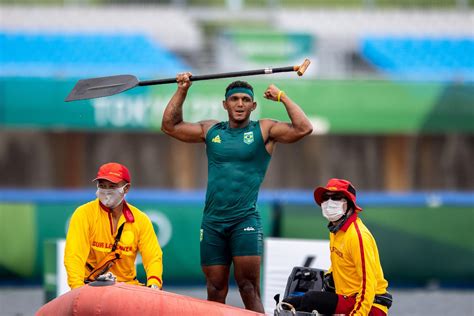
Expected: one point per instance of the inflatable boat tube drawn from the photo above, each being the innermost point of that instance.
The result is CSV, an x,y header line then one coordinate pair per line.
x,y
124,299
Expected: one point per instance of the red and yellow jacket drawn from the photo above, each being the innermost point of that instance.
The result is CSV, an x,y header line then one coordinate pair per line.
x,y
355,265
91,236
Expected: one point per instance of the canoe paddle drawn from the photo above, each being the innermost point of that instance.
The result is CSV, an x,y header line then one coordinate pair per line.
x,y
106,86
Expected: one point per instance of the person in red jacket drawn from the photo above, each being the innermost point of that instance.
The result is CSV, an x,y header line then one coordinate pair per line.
x,y
358,283
106,234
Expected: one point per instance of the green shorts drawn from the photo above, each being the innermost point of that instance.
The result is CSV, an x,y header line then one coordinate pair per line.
x,y
220,242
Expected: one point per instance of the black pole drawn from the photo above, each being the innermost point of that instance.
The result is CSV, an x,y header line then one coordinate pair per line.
x,y
264,71
277,216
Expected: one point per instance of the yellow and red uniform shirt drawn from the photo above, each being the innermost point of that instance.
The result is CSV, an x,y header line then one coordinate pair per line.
x,y
91,236
355,265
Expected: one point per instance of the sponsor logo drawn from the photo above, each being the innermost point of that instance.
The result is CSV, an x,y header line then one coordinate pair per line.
x,y
248,138
249,229
127,237
216,139
337,252
101,246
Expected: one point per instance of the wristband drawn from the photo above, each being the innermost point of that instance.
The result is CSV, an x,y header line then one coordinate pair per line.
x,y
280,94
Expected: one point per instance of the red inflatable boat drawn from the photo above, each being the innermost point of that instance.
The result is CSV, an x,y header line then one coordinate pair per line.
x,y
124,299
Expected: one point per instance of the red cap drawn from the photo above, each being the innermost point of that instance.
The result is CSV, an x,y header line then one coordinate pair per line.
x,y
114,172
337,185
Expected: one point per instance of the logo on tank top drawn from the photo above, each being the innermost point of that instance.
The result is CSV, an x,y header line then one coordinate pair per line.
x,y
249,229
248,138
216,139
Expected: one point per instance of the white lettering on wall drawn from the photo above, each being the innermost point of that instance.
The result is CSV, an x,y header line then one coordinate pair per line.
x,y
146,112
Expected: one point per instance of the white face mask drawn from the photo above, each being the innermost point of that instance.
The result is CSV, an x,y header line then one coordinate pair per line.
x,y
334,210
111,197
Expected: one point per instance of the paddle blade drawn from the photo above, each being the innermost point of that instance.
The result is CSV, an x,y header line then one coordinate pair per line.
x,y
101,87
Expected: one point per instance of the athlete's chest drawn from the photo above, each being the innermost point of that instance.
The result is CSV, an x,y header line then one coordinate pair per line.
x,y
225,146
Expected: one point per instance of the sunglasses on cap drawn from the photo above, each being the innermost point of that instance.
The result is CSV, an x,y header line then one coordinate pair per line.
x,y
333,196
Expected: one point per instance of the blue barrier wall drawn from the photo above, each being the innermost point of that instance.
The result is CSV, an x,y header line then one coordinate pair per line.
x,y
418,233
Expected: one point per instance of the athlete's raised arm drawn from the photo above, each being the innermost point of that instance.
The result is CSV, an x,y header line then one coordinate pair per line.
x,y
283,132
173,124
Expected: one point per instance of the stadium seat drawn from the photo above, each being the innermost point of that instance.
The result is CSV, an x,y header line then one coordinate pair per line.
x,y
414,58
79,55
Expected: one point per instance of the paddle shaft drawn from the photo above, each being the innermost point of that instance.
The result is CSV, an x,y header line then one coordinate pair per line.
x,y
107,86
263,71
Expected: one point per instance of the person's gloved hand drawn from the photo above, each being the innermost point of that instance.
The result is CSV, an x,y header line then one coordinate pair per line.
x,y
328,283
295,301
109,276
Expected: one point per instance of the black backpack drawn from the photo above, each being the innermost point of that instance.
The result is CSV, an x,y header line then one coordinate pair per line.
x,y
300,281
304,279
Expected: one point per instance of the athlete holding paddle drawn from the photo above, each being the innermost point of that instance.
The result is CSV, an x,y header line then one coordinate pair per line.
x,y
238,151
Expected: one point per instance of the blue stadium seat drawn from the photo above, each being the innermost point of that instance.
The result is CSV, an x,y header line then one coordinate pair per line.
x,y
82,55
437,58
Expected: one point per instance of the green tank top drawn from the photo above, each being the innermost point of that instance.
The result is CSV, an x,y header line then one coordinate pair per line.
x,y
237,162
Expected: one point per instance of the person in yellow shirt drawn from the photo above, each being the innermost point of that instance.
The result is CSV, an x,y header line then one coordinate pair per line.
x,y
355,281
106,234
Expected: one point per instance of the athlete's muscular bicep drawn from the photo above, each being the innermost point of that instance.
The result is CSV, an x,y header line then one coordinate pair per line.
x,y
191,132
172,122
282,132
